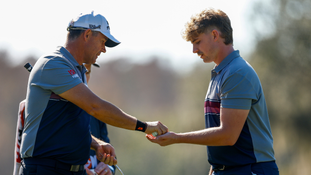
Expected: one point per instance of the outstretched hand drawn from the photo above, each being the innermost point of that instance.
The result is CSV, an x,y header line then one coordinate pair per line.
x,y
163,140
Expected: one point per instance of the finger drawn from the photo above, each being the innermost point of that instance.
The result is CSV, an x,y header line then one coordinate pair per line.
x,y
161,128
111,150
100,167
151,138
104,172
115,161
113,154
159,131
164,128
107,160
111,160
102,157
163,131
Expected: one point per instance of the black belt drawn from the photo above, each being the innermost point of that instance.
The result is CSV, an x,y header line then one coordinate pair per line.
x,y
224,167
218,167
53,163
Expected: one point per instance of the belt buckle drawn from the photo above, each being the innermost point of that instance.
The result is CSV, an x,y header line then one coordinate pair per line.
x,y
75,168
220,168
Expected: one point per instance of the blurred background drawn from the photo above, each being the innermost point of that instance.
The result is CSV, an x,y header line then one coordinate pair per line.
x,y
153,74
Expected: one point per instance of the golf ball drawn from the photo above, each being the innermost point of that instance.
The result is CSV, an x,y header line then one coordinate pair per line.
x,y
155,134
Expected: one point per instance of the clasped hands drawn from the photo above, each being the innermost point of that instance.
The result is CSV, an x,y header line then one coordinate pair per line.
x,y
163,137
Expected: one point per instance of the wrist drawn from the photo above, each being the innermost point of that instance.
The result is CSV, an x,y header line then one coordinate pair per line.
x,y
141,126
94,143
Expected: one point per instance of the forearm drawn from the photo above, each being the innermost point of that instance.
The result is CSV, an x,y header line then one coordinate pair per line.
x,y
106,112
112,115
115,114
231,124
94,143
215,136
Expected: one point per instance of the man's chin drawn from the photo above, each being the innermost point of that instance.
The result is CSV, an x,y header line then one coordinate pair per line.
x,y
94,61
206,61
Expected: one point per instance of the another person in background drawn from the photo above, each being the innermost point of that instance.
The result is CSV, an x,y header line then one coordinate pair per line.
x,y
238,134
98,130
18,137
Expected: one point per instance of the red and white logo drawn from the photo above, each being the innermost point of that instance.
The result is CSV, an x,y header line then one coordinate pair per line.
x,y
72,72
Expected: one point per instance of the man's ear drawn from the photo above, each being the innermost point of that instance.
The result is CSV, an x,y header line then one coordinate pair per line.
x,y
87,34
215,34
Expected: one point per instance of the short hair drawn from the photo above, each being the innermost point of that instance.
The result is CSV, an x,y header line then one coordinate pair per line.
x,y
75,33
205,21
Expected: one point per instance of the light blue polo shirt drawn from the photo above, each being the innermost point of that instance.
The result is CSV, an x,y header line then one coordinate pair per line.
x,y
235,84
54,127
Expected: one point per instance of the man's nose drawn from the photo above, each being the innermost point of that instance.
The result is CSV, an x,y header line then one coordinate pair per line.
x,y
104,49
195,48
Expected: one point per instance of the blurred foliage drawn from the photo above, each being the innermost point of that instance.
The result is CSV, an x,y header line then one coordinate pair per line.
x,y
12,91
283,61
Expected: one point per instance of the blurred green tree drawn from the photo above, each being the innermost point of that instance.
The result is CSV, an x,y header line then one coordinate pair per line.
x,y
282,59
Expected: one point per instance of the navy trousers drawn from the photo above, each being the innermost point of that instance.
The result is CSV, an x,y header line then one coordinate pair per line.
x,y
263,168
48,167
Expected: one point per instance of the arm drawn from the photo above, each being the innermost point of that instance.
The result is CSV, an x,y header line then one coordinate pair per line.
x,y
231,124
83,97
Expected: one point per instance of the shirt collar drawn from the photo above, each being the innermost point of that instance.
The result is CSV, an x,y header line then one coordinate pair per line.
x,y
70,58
226,61
68,55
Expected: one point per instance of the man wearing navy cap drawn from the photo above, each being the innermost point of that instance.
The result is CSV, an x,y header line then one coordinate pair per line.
x,y
56,137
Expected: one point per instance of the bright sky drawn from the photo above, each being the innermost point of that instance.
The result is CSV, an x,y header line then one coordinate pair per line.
x,y
145,28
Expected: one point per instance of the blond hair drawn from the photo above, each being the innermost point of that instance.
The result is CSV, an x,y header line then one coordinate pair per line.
x,y
207,20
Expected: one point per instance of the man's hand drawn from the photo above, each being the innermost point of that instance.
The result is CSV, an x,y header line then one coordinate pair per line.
x,y
101,169
156,127
105,153
88,171
163,140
